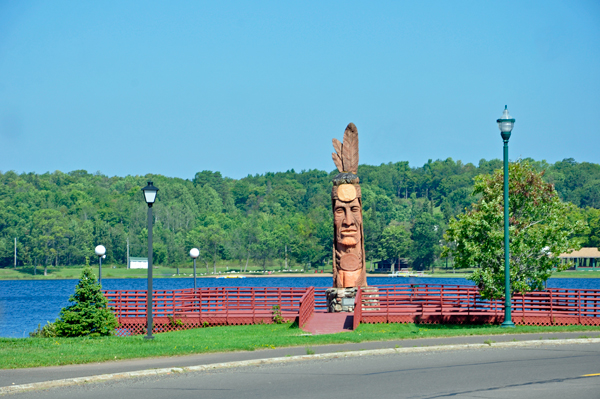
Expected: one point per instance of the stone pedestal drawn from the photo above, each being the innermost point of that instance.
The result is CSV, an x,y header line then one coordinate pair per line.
x,y
340,299
370,299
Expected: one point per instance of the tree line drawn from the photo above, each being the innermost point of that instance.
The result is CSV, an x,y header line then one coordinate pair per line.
x,y
58,218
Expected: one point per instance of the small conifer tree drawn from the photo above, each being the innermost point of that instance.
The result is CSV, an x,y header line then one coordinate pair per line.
x,y
88,314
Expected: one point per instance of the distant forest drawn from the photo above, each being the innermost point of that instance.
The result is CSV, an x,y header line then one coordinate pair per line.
x,y
58,218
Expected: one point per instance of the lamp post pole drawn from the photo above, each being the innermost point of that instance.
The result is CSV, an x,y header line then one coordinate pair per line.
x,y
506,123
150,292
194,253
100,251
150,196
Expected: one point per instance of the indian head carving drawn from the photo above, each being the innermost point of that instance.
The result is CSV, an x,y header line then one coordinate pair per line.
x,y
348,241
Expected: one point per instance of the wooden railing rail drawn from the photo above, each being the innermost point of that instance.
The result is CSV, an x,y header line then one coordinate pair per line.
x,y
307,306
432,303
320,298
423,303
188,302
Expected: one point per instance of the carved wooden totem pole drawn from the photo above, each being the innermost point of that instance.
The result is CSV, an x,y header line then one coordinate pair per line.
x,y
348,242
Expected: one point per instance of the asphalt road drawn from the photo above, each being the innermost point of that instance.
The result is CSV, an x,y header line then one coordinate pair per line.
x,y
550,371
39,374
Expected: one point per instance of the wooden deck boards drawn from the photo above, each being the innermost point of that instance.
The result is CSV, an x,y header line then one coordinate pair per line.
x,y
329,323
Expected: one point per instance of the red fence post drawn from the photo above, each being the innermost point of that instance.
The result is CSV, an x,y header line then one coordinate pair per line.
x,y
469,304
522,308
579,306
495,309
199,305
253,307
226,292
174,308
119,309
551,308
357,309
442,301
475,297
279,299
387,306
311,301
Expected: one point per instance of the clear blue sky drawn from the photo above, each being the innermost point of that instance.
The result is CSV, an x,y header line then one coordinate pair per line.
x,y
177,87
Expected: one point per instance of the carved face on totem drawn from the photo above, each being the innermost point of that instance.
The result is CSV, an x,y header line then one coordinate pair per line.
x,y
347,219
349,266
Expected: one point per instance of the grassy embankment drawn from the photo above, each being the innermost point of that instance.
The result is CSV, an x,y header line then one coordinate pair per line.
x,y
35,352
564,274
120,271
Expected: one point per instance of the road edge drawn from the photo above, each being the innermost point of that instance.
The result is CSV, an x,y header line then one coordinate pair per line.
x,y
278,360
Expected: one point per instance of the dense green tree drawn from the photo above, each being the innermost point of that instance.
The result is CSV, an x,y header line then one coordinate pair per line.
x,y
60,217
50,234
395,243
575,182
426,233
591,236
540,230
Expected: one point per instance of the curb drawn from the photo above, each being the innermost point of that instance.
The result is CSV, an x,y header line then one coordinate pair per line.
x,y
278,360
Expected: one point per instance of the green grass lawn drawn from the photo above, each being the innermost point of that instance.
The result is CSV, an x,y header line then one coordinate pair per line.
x,y
35,352
120,271
577,274
74,272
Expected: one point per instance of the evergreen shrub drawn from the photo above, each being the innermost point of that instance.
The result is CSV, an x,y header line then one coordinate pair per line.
x,y
48,331
88,314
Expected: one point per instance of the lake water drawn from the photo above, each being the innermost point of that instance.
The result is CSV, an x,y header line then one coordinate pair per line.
x,y
26,303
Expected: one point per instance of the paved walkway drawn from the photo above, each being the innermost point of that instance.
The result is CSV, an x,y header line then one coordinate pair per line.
x,y
40,374
329,323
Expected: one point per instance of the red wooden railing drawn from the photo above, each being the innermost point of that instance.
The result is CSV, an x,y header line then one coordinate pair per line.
x,y
422,303
432,303
320,298
357,309
307,306
183,309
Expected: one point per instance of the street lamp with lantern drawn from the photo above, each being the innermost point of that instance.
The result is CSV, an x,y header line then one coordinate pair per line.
x,y
100,253
149,196
194,253
506,123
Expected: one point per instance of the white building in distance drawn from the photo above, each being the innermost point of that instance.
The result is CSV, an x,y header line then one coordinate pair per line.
x,y
138,263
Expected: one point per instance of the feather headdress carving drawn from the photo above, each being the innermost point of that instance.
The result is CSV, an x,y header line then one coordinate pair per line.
x,y
345,156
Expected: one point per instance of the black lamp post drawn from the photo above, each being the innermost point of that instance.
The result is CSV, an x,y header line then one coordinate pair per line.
x,y
100,253
194,253
150,196
506,123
